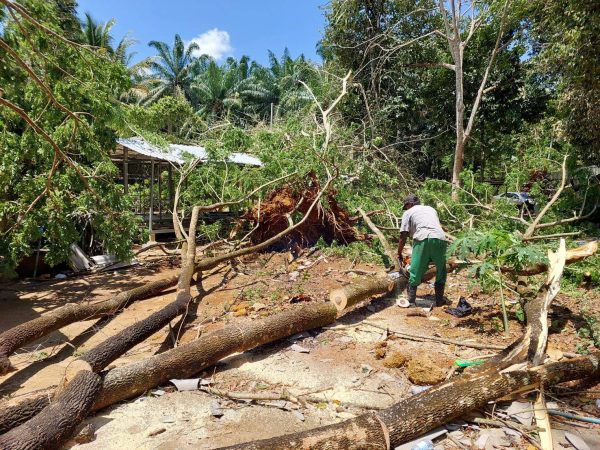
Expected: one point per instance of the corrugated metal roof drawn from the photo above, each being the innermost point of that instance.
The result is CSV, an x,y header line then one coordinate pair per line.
x,y
177,154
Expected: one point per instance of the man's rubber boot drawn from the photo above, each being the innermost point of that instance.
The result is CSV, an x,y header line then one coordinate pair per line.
x,y
412,295
439,294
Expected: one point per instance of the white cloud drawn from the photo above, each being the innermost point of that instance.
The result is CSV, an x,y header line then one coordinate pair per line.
x,y
215,43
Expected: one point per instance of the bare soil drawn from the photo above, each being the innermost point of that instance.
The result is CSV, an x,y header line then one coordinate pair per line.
x,y
343,373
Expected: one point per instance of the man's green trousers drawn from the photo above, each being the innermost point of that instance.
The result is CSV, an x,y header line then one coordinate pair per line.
x,y
423,253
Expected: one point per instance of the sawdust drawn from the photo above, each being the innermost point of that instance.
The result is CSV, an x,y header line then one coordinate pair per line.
x,y
424,372
380,349
395,360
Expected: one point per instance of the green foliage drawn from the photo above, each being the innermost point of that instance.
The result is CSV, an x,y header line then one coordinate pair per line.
x,y
66,209
359,251
495,249
505,249
589,333
566,39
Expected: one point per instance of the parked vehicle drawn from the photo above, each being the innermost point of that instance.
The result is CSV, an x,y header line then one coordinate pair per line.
x,y
520,199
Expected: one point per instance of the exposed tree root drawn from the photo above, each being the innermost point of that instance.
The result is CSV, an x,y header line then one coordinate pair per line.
x,y
270,217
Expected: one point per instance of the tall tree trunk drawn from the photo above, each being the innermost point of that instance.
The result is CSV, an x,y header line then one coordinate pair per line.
x,y
459,150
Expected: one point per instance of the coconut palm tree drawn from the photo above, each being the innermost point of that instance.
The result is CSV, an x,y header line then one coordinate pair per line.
x,y
228,90
281,85
172,70
97,34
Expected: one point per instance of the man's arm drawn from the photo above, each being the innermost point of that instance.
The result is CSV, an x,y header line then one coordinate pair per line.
x,y
403,238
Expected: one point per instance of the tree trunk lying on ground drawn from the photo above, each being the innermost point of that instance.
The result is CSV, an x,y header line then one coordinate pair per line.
x,y
420,413
188,359
32,330
49,428
496,378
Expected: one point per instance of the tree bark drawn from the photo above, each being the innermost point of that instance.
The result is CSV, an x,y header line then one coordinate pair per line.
x,y
186,360
57,422
420,413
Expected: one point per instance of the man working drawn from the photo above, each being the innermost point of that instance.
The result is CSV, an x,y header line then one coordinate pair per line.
x,y
422,224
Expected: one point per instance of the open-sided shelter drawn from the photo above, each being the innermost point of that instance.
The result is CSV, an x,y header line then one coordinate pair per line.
x,y
143,164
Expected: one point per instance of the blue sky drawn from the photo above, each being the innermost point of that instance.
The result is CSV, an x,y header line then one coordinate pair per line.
x,y
221,27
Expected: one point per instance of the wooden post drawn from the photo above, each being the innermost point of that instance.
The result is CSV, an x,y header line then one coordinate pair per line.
x,y
151,212
125,171
159,195
171,193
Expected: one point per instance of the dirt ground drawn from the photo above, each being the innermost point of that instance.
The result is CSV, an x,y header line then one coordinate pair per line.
x,y
339,371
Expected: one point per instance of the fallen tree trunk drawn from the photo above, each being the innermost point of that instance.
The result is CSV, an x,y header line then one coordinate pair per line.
x,y
186,360
56,423
573,255
420,413
496,378
32,330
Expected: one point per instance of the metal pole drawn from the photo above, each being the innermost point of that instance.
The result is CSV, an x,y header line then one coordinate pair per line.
x,y
271,114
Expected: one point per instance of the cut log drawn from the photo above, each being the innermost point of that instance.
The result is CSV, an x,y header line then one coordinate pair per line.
x,y
361,290
420,413
56,423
